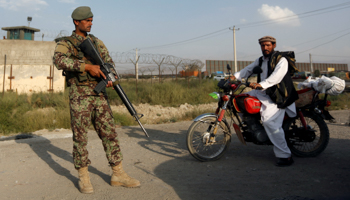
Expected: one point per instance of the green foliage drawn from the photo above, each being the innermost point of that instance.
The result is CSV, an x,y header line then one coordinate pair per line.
x,y
317,73
332,74
124,119
339,102
169,93
28,113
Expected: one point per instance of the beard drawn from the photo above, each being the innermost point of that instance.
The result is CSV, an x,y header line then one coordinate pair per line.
x,y
267,53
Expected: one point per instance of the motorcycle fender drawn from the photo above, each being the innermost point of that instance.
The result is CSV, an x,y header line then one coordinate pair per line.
x,y
200,117
239,133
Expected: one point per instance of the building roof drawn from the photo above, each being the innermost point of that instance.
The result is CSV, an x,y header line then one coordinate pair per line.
x,y
20,27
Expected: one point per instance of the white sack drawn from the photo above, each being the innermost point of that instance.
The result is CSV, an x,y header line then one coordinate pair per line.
x,y
331,86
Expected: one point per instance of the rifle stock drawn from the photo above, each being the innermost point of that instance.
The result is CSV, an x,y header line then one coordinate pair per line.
x,y
89,49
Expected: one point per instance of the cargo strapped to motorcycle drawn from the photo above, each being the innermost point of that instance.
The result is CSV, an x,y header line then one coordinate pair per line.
x,y
305,97
245,103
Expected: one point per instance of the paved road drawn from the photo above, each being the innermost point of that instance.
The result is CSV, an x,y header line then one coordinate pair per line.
x,y
41,168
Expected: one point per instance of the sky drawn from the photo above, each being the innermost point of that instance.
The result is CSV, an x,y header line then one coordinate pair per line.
x,y
198,29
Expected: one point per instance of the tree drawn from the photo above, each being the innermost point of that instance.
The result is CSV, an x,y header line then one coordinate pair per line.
x,y
317,73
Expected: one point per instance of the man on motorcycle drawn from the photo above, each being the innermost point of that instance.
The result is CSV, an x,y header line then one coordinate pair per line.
x,y
275,104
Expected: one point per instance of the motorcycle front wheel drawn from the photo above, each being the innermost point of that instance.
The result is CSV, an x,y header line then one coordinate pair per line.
x,y
202,145
308,142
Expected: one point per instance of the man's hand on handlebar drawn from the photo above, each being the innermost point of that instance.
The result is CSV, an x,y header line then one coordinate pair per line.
x,y
232,78
255,86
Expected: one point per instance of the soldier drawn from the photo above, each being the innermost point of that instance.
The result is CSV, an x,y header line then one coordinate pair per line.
x,y
86,106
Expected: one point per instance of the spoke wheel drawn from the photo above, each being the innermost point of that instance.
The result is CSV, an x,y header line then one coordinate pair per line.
x,y
308,142
202,145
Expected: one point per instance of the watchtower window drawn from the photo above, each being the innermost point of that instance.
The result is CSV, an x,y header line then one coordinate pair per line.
x,y
28,34
14,34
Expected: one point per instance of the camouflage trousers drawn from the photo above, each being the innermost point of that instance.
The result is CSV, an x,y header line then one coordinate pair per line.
x,y
85,110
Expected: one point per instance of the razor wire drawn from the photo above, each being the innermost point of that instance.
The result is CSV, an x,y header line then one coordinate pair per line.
x,y
129,57
118,57
148,58
52,34
44,57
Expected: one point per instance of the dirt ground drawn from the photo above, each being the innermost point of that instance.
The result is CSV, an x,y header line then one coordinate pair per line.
x,y
155,113
41,168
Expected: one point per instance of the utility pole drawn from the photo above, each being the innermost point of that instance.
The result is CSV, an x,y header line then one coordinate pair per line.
x,y
311,67
234,46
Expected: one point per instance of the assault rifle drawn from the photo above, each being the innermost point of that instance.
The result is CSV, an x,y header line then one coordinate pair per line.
x,y
89,50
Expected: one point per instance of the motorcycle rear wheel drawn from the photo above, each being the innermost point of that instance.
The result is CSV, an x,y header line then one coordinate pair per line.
x,y
198,135
312,144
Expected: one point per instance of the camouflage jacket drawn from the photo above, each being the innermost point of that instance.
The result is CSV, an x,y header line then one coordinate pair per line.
x,y
72,62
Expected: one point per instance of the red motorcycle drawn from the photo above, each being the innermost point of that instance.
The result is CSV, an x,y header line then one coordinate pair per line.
x,y
209,136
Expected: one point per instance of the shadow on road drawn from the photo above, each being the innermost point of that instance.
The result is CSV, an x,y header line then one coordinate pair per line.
x,y
248,172
43,148
161,142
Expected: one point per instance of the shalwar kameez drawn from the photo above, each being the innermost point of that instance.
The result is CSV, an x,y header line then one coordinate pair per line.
x,y
271,115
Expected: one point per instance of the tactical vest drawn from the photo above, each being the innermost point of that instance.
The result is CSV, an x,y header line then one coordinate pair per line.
x,y
284,93
81,78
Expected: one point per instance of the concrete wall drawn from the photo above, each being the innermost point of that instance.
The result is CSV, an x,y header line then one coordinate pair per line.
x,y
31,66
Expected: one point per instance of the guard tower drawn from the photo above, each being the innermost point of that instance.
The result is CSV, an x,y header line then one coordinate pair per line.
x,y
20,32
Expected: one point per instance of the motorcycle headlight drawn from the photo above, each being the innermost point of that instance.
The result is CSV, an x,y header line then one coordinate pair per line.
x,y
215,95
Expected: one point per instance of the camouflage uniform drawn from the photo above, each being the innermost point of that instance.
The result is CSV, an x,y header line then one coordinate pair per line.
x,y
85,105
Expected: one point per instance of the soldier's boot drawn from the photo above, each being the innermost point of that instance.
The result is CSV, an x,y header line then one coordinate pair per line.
x,y
84,181
120,178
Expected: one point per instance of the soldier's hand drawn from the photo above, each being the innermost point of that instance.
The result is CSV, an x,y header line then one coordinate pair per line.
x,y
110,84
94,70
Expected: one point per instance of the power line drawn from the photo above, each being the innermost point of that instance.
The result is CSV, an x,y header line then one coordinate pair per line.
x,y
174,43
255,55
325,43
190,41
260,23
321,37
295,16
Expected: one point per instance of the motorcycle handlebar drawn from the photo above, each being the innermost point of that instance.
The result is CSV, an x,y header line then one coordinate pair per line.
x,y
248,83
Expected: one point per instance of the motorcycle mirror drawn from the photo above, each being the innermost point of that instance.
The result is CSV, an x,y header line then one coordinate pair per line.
x,y
257,70
228,67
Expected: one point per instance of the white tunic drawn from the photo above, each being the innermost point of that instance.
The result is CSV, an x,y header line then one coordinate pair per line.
x,y
271,116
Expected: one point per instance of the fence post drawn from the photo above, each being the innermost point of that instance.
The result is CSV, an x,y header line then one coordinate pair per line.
x,y
3,85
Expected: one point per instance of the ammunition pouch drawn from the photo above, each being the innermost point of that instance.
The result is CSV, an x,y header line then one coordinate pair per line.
x,y
80,78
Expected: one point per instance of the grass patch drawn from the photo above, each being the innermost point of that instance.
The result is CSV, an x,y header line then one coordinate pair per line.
x,y
23,113
121,119
167,93
339,102
27,113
